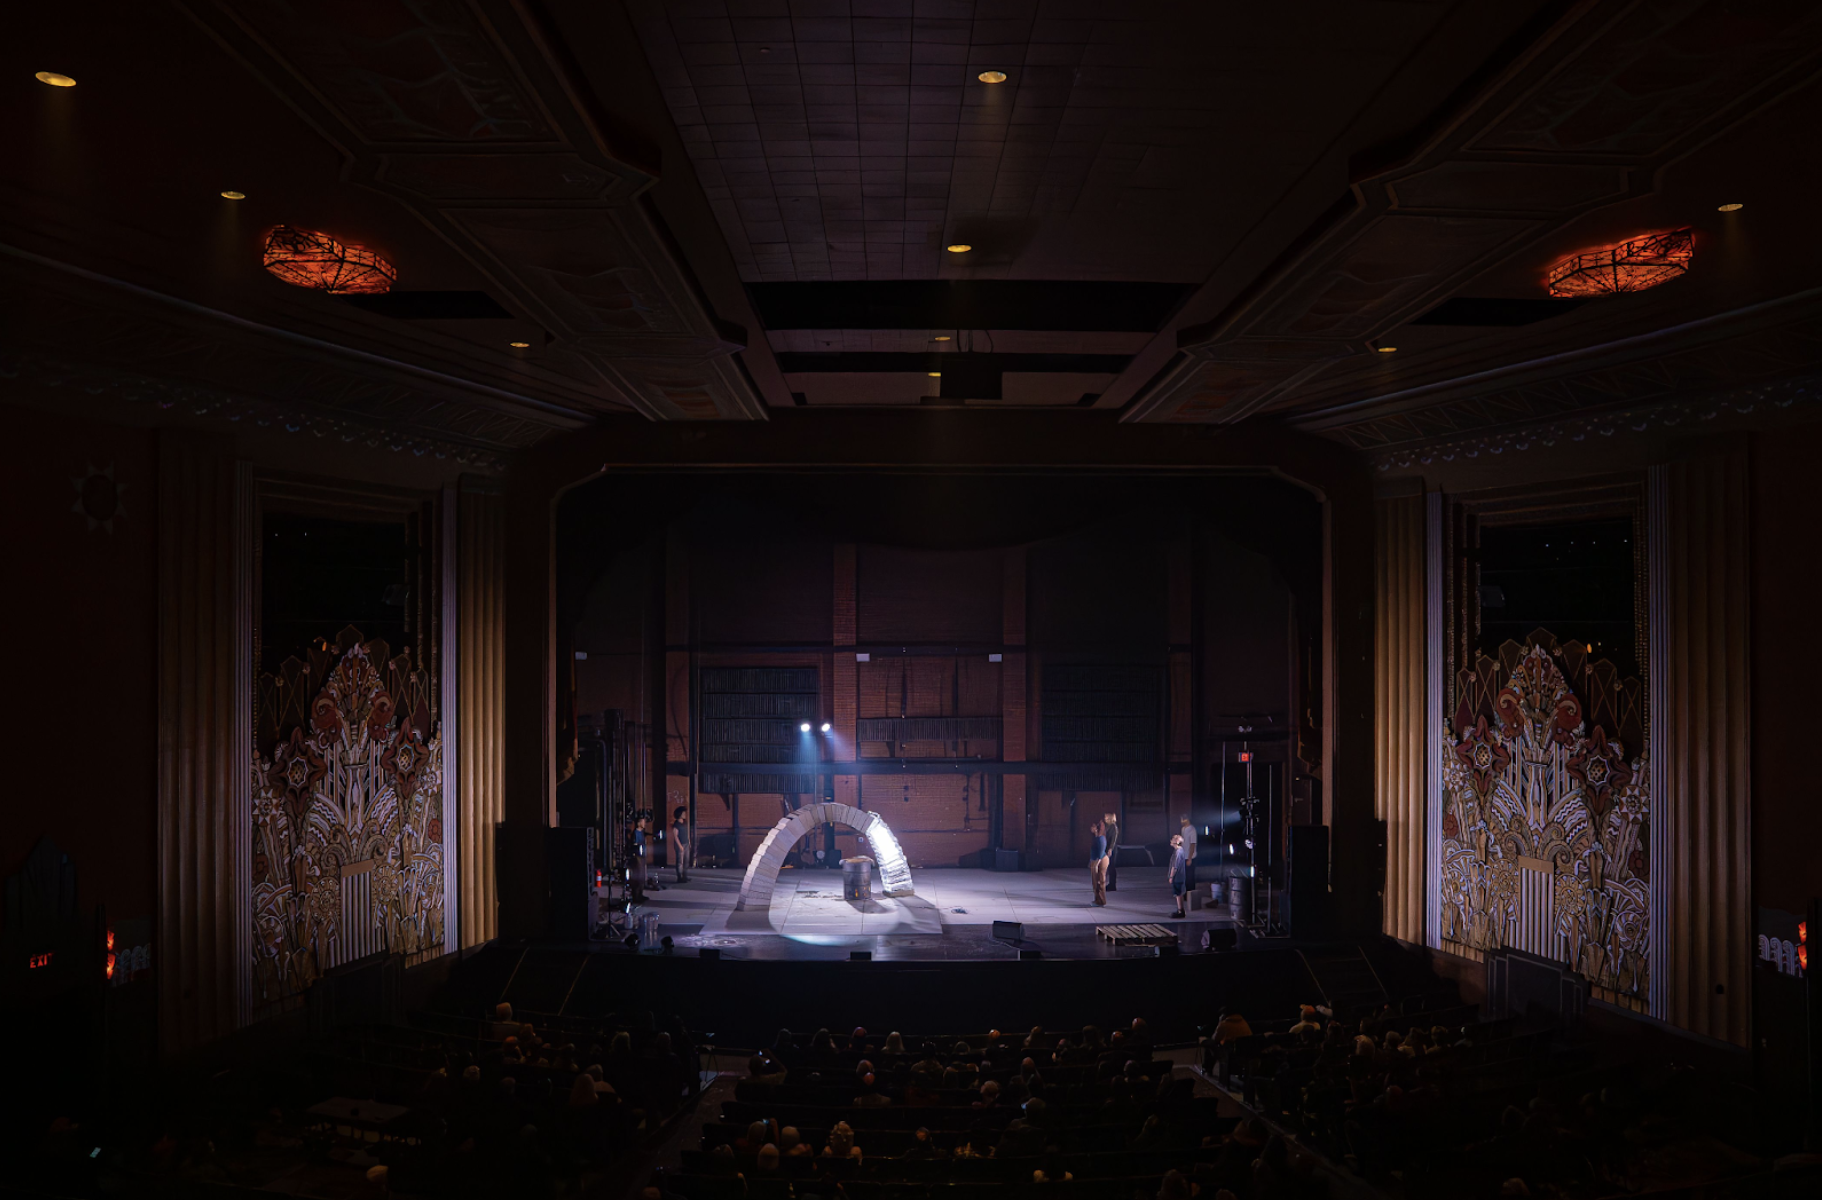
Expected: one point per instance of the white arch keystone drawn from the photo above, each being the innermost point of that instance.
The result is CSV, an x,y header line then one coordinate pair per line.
x,y
762,870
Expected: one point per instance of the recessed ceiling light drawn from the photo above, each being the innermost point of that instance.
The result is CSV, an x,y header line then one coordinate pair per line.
x,y
519,345
1386,349
1736,206
231,194
992,77
942,337
959,248
54,79
936,374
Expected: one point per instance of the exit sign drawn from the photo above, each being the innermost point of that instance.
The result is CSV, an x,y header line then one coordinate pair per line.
x,y
41,960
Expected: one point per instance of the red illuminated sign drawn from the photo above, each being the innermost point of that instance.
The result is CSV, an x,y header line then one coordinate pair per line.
x,y
41,960
1246,756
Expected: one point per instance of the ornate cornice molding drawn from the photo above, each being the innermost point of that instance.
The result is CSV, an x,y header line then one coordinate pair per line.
x,y
163,395
1641,418
1767,354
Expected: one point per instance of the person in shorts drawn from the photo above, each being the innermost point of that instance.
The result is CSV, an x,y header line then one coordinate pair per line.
x,y
680,842
1188,834
1179,874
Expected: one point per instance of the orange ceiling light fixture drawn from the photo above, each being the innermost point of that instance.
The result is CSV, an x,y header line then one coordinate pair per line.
x,y
54,79
306,258
1631,266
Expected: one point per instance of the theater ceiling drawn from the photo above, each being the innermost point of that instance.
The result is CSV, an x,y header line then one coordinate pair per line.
x,y
1337,215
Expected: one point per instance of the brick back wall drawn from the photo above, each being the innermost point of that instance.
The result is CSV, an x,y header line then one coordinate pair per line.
x,y
929,595
929,816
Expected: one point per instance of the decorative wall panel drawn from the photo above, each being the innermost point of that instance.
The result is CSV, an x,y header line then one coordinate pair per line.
x,y
1707,776
1546,815
481,665
347,815
204,663
1398,711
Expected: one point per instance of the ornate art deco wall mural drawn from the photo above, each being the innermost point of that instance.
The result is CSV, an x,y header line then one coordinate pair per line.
x,y
1546,811
347,815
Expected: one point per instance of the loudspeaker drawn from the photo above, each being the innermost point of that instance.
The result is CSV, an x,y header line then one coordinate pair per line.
x,y
1309,881
1005,860
710,952
860,956
1009,929
1025,954
1222,938
569,853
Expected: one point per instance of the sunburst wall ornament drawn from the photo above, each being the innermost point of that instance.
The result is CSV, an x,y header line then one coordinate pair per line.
x,y
98,497
306,258
1632,266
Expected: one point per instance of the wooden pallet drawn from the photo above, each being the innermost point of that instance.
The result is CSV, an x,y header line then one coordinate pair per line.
x,y
1137,935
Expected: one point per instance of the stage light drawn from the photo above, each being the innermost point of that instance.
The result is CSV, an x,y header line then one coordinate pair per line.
x,y
825,727
804,728
959,248
231,194
54,79
992,77
1736,206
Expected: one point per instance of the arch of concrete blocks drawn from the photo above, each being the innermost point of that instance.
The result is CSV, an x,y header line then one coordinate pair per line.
x,y
762,871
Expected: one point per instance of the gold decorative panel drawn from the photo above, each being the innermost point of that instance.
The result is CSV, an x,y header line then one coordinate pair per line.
x,y
347,816
1546,812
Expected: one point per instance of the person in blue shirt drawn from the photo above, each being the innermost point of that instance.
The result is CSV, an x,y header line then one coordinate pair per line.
x,y
1097,862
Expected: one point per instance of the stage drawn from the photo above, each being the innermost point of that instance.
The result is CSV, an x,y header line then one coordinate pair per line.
x,y
950,917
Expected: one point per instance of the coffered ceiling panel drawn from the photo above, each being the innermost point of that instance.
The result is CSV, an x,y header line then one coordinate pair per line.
x,y
1591,109
557,228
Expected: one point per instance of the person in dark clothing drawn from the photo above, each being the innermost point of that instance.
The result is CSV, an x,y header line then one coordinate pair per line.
x,y
1097,862
639,860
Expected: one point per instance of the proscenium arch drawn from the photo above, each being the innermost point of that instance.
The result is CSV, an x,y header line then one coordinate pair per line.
x,y
762,871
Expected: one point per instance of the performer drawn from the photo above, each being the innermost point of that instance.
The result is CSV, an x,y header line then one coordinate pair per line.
x,y
681,848
1179,872
636,865
1097,863
1188,833
1112,821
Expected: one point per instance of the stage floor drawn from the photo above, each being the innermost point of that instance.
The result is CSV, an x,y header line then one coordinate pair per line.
x,y
950,917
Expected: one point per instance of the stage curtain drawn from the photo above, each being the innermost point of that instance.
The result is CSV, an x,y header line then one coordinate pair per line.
x,y
1398,711
1707,775
205,681
480,669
